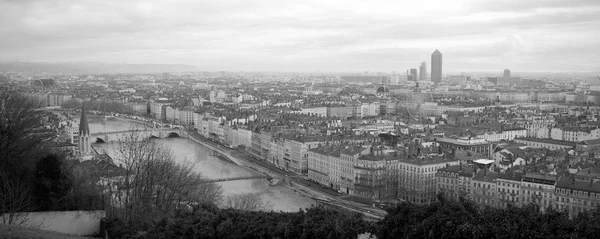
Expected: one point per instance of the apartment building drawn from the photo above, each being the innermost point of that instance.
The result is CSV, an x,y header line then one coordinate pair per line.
x,y
483,187
545,143
157,108
375,175
534,124
348,158
574,134
508,134
369,109
292,151
576,195
320,111
538,189
417,177
179,116
477,145
509,189
454,181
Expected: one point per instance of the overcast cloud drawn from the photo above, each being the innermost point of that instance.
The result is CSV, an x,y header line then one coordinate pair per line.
x,y
308,35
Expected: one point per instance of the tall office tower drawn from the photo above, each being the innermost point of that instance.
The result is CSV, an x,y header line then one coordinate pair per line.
x,y
414,73
506,73
423,71
436,66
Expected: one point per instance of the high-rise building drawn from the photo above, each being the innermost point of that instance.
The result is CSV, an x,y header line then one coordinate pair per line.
x,y
423,71
414,74
436,66
506,73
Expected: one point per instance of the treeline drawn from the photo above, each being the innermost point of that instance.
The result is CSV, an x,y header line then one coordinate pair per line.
x,y
208,221
463,219
443,219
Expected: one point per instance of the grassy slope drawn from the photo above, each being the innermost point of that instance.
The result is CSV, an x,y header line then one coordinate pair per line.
x,y
16,232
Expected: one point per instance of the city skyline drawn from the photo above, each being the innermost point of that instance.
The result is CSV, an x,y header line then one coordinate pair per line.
x,y
532,36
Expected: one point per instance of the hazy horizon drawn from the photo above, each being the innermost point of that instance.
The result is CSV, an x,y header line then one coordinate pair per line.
x,y
312,36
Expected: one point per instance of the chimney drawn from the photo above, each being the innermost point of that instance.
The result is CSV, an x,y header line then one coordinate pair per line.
x,y
591,182
572,180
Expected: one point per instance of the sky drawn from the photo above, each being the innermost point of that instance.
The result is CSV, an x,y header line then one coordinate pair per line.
x,y
308,35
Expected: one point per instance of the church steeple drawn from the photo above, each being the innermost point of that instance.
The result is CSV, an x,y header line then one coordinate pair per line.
x,y
84,135
84,127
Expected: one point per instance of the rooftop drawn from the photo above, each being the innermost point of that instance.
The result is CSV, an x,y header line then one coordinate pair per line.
x,y
462,142
548,141
581,185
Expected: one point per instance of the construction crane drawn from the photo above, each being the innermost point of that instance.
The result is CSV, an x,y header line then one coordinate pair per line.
x,y
598,77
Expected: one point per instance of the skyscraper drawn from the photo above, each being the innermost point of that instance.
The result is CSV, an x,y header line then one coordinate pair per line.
x,y
436,66
423,71
506,73
413,73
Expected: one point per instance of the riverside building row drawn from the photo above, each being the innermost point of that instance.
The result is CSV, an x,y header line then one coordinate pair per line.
x,y
518,188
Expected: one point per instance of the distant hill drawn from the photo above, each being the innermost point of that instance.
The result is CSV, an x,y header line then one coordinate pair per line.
x,y
93,67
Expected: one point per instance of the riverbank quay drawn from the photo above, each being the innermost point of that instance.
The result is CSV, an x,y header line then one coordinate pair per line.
x,y
295,182
299,183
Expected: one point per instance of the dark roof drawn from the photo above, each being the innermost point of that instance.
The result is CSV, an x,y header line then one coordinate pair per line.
x,y
581,185
429,159
511,175
383,89
353,150
540,176
547,141
84,127
591,142
372,157
483,176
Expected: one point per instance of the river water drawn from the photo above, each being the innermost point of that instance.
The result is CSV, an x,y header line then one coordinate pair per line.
x,y
184,150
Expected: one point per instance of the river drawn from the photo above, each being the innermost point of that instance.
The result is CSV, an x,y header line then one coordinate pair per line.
x,y
184,150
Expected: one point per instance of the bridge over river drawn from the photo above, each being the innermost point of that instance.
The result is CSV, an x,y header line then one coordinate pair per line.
x,y
144,133
166,133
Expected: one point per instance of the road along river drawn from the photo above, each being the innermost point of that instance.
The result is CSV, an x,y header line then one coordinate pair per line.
x,y
185,150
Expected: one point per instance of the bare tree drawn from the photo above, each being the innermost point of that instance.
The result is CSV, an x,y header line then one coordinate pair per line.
x,y
22,138
249,201
14,199
21,132
155,184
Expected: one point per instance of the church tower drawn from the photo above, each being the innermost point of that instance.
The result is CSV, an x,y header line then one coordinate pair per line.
x,y
84,135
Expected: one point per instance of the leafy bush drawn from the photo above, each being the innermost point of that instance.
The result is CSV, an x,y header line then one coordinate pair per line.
x,y
208,221
463,219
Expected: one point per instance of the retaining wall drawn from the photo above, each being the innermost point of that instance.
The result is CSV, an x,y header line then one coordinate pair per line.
x,y
76,223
